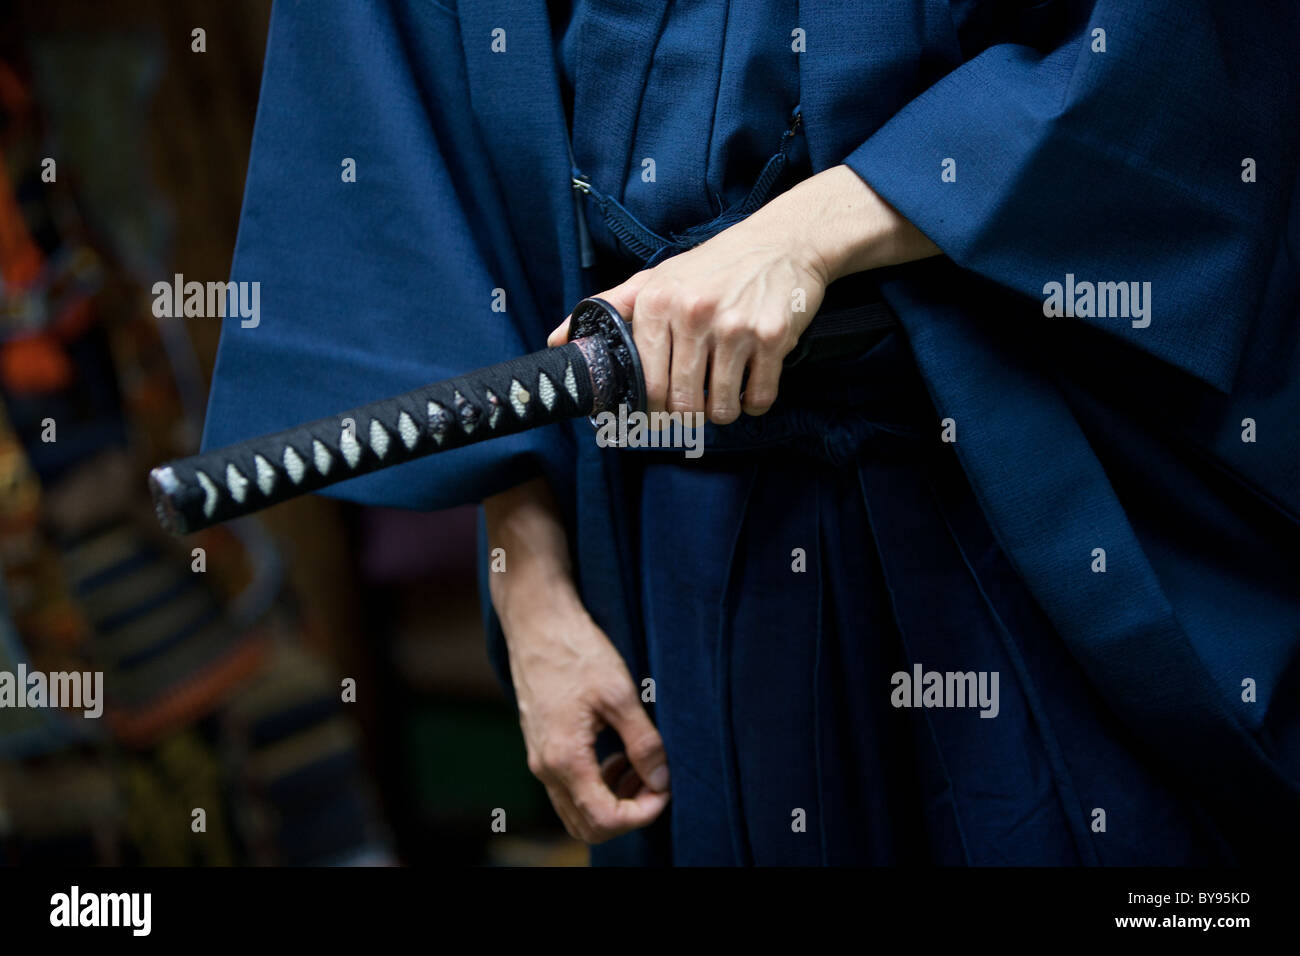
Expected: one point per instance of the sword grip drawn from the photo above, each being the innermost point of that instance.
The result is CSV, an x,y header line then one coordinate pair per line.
x,y
202,490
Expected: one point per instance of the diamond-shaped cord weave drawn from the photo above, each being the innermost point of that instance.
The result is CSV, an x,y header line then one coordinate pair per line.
x,y
547,386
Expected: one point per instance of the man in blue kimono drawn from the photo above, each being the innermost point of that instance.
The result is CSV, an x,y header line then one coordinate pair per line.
x,y
1014,581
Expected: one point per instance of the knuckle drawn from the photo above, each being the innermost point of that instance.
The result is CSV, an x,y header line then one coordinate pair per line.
x,y
771,336
731,327
695,309
535,765
590,812
643,746
613,695
658,298
682,401
553,759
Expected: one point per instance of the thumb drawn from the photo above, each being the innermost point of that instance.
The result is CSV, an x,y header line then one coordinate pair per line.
x,y
560,334
641,741
622,297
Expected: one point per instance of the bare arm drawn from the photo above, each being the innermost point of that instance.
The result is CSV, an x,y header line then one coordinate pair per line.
x,y
569,679
728,304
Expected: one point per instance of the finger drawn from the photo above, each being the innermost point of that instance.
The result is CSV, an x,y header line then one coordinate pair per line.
x,y
726,371
566,811
557,768
605,816
613,767
629,785
761,386
620,776
651,332
598,815
689,365
560,334
641,741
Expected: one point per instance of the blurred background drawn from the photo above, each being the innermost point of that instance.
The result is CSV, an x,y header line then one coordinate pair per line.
x,y
122,158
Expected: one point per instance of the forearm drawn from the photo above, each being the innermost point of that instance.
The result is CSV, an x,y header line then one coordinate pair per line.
x,y
843,226
525,522
570,681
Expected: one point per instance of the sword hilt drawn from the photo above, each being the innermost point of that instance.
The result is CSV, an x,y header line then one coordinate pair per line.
x,y
597,370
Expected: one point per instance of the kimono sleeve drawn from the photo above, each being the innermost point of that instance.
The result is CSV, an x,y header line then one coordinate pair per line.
x,y
379,244
1157,143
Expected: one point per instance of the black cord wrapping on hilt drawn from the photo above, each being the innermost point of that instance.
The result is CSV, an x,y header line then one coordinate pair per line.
x,y
547,386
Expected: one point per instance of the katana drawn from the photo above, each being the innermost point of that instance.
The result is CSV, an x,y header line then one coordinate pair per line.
x,y
597,370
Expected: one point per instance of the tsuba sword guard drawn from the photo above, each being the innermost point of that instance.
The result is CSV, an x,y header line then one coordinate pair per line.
x,y
616,376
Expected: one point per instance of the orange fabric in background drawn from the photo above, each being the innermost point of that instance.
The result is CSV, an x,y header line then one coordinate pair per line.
x,y
36,363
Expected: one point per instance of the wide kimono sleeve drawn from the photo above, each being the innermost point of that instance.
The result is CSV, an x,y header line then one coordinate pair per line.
x,y
1155,142
374,227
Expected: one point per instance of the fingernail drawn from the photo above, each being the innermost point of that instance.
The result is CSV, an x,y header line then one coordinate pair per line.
x,y
659,778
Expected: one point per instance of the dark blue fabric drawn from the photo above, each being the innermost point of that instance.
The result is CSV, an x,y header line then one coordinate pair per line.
x,y
703,90
1120,691
375,287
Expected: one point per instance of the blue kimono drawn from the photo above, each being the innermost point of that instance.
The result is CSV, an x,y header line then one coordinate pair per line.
x,y
1072,472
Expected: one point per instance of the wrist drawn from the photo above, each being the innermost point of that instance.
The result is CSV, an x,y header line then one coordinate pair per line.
x,y
530,591
840,225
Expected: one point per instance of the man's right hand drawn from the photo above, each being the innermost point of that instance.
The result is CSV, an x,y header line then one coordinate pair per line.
x,y
569,679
